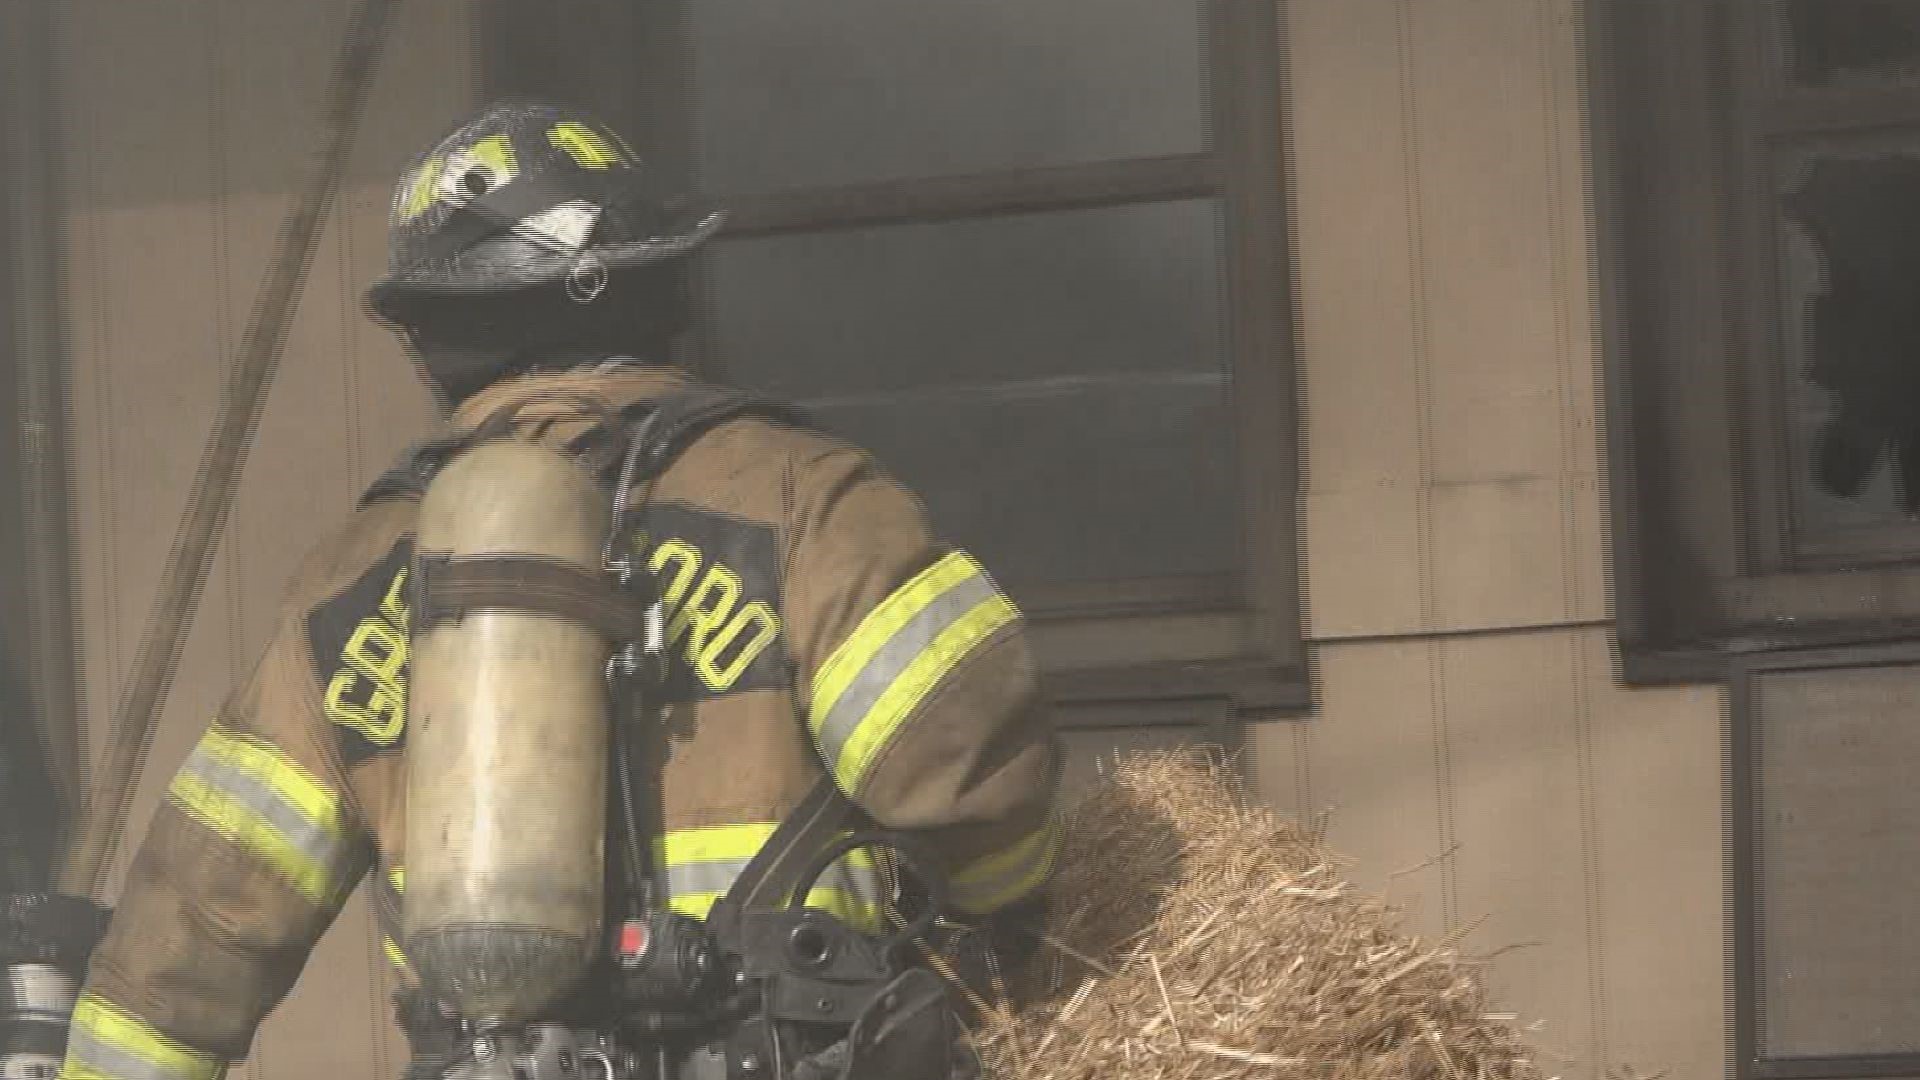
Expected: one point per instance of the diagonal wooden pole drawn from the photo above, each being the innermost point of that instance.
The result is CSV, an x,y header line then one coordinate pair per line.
x,y
84,870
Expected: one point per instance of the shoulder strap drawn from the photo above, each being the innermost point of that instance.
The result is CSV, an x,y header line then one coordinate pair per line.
x,y
410,475
673,423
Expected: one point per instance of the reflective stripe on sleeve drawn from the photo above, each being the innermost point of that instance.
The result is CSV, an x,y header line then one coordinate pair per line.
x,y
700,865
993,881
897,656
106,1042
390,889
258,798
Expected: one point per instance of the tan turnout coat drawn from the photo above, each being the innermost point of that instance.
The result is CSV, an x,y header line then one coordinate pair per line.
x,y
818,625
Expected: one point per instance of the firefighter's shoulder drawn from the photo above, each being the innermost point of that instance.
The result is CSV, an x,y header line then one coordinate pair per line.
x,y
346,609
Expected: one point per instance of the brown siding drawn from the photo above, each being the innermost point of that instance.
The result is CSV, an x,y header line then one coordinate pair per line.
x,y
1455,539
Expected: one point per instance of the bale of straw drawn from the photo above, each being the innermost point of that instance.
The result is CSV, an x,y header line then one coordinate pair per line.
x,y
1193,936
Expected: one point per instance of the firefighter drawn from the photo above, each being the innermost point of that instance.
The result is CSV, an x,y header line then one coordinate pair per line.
x,y
817,645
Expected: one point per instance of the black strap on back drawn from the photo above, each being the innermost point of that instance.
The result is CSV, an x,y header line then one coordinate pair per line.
x,y
671,424
409,476
772,875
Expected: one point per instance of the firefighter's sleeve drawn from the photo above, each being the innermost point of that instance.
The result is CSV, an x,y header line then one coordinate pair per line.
x,y
248,859
918,684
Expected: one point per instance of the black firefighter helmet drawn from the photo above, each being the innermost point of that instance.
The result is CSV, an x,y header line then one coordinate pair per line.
x,y
526,196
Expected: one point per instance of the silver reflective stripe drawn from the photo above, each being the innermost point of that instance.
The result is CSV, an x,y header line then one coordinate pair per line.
x,y
39,992
902,648
18,1066
704,877
106,1060
107,1043
864,884
312,840
693,879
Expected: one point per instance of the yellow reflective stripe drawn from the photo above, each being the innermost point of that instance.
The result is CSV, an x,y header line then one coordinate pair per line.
x,y
496,152
397,878
897,656
420,192
699,865
108,1043
713,842
914,684
271,766
728,843
1003,877
257,797
873,633
584,145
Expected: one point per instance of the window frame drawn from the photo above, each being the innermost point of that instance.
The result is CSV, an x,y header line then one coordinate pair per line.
x,y
1241,634
1704,561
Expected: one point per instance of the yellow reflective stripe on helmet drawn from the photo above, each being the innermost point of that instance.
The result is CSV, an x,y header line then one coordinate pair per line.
x,y
257,797
897,656
420,192
106,1042
699,866
1000,878
587,147
496,153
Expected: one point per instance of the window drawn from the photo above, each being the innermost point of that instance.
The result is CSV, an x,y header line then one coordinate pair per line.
x,y
1826,962
1756,180
1759,192
1033,256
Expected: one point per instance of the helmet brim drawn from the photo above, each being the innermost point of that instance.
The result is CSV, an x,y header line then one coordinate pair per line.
x,y
492,268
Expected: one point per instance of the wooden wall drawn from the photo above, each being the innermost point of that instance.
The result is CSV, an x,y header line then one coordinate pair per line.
x,y
1468,716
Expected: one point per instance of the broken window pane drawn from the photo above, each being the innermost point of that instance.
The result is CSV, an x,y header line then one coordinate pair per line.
x,y
1851,292
1054,385
1837,40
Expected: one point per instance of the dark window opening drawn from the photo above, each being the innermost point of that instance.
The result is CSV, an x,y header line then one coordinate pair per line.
x,y
1032,255
1052,385
1852,277
862,91
1831,40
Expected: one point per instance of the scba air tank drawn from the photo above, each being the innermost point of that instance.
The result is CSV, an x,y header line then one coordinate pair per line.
x,y
507,751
